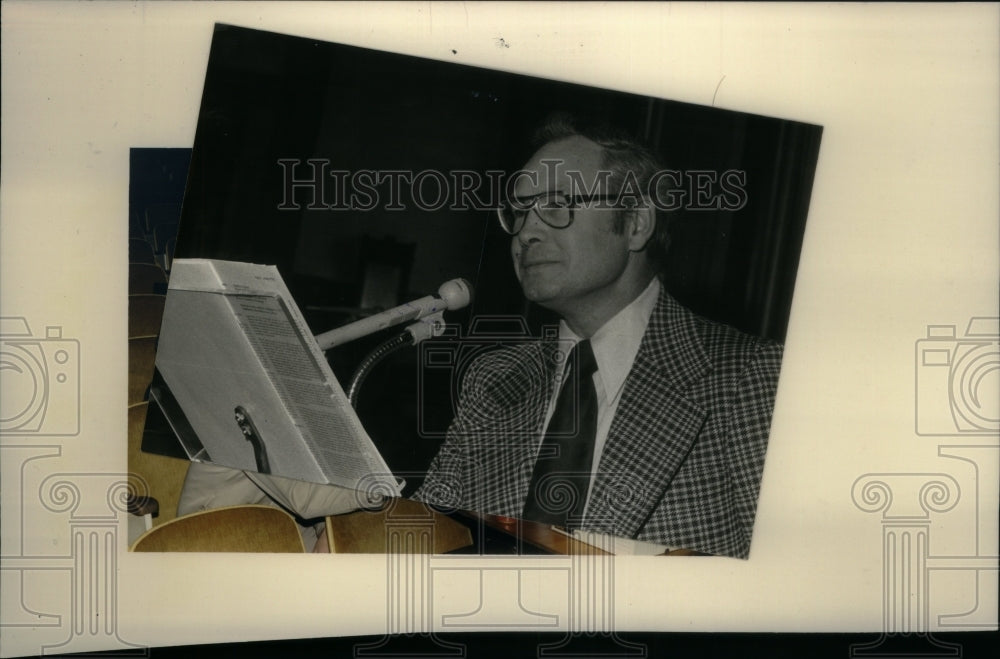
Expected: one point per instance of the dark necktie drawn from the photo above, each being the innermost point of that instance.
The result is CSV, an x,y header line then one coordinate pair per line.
x,y
559,483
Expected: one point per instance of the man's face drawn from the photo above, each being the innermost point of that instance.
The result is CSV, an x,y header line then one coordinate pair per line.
x,y
582,264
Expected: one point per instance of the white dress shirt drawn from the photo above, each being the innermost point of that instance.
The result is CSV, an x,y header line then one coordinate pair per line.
x,y
615,346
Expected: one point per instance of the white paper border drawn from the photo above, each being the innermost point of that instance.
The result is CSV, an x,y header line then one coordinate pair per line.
x,y
902,234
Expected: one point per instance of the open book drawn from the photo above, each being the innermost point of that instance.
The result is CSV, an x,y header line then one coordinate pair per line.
x,y
243,383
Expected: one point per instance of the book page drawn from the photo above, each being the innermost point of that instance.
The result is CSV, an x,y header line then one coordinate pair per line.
x,y
234,344
307,394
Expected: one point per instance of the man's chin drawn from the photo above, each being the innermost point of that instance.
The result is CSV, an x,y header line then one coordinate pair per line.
x,y
538,292
548,301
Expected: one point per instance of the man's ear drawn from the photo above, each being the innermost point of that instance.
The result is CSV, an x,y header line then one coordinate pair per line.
x,y
640,227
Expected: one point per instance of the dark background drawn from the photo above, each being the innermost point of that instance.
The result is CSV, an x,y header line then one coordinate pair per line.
x,y
269,97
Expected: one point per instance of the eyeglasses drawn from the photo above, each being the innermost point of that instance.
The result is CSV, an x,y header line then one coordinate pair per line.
x,y
556,209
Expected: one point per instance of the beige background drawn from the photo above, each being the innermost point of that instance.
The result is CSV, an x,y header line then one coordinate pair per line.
x,y
902,233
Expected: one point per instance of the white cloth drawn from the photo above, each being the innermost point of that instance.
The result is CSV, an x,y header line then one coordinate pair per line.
x,y
208,486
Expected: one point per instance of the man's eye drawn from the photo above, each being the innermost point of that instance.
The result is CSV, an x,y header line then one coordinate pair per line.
x,y
557,202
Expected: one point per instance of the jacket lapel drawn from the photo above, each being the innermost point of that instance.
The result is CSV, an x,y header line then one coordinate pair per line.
x,y
513,433
656,423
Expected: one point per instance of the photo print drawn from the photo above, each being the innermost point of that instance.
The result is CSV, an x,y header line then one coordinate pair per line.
x,y
509,218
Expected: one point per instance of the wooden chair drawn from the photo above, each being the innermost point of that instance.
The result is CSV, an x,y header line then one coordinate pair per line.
x,y
385,267
140,251
157,214
145,313
168,253
163,233
156,477
136,224
141,360
401,527
249,528
146,278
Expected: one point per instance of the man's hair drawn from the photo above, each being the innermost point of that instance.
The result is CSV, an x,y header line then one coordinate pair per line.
x,y
623,153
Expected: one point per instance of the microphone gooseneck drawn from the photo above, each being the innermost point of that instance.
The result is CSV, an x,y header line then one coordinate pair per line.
x,y
380,352
424,315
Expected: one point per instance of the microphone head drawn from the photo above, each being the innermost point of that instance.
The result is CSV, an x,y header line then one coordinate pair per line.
x,y
456,293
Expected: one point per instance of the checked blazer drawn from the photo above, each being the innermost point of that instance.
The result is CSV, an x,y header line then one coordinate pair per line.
x,y
683,459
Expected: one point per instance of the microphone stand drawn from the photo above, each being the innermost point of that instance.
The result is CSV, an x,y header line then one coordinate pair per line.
x,y
427,314
432,325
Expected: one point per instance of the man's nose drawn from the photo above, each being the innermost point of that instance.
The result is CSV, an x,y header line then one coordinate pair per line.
x,y
534,227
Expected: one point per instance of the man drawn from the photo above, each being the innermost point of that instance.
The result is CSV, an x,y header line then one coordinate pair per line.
x,y
666,439
664,430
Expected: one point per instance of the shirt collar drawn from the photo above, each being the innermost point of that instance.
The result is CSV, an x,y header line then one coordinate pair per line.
x,y
616,343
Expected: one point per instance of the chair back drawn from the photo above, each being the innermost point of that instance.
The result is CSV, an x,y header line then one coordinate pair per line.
x,y
146,278
248,528
145,313
150,475
140,251
141,361
404,526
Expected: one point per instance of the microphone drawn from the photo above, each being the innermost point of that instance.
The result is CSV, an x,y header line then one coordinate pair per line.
x,y
453,294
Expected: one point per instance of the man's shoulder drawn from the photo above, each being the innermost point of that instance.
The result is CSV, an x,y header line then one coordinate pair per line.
x,y
722,343
722,340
